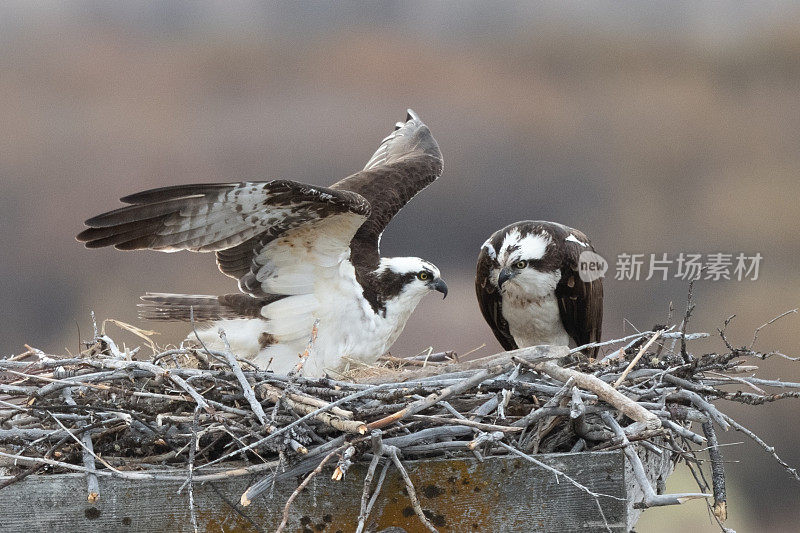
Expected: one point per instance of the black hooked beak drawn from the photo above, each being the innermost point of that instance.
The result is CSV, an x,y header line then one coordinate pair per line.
x,y
505,275
439,285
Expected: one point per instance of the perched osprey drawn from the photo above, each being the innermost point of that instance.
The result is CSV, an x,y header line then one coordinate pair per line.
x,y
302,254
530,290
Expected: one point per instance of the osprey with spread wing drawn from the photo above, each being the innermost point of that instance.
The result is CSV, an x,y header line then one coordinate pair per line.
x,y
303,255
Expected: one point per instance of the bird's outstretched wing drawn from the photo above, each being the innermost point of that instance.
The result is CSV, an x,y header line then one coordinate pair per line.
x,y
407,161
489,298
579,302
260,231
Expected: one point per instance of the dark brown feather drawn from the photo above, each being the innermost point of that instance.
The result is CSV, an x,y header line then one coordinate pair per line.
x,y
201,308
175,191
237,261
489,299
406,162
233,219
580,302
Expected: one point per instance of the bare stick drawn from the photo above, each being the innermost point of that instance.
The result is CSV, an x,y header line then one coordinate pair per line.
x,y
604,391
708,408
770,449
759,328
93,486
399,361
720,508
377,447
651,499
362,515
429,434
92,483
307,352
722,330
245,502
437,357
683,432
466,422
316,402
377,490
635,360
689,308
609,342
192,452
275,395
435,398
391,451
345,462
247,389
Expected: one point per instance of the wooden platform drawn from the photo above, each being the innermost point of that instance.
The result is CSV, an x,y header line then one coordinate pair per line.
x,y
499,495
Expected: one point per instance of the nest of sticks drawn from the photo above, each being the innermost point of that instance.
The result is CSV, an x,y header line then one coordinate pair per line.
x,y
105,413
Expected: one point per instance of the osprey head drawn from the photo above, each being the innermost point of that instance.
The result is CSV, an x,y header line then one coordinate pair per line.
x,y
527,266
410,277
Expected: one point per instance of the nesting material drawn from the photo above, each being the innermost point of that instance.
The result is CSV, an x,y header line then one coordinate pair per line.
x,y
104,413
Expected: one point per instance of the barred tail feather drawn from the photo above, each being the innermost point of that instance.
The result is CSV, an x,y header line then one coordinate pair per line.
x,y
200,307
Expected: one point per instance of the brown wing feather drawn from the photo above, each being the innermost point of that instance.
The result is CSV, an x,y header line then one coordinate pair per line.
x,y
237,261
200,307
489,298
233,219
407,161
238,220
580,303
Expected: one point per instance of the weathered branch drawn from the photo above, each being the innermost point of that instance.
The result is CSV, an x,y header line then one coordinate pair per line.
x,y
720,508
651,499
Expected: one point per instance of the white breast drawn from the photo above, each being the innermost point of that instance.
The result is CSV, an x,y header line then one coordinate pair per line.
x,y
533,322
348,327
531,309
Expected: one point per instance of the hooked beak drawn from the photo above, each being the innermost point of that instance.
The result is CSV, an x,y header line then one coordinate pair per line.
x,y
440,286
505,275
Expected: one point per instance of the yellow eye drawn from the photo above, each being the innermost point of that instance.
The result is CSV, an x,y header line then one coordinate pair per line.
x,y
519,265
424,276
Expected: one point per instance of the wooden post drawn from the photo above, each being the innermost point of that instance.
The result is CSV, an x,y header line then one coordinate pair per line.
x,y
502,494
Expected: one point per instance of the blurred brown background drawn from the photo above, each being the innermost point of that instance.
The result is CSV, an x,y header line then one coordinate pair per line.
x,y
653,126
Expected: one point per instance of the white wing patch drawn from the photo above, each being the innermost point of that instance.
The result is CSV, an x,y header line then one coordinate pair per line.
x,y
291,318
304,264
291,279
573,238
